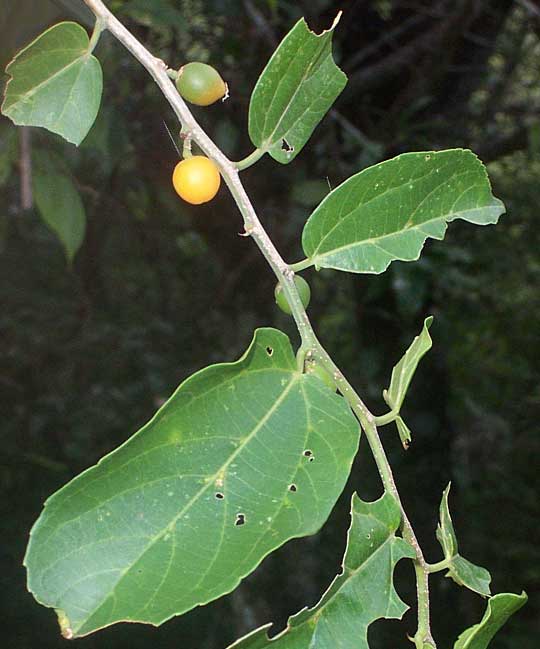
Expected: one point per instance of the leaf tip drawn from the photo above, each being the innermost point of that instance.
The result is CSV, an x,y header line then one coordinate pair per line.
x,y
325,31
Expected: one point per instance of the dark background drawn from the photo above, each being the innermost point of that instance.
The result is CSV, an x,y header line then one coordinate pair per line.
x,y
160,289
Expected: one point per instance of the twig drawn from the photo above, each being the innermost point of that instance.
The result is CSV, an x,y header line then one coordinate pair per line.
x,y
285,275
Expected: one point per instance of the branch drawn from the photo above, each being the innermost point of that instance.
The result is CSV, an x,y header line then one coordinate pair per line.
x,y
285,275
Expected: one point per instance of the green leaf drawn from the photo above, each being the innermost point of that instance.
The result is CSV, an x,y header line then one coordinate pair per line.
x,y
387,211
243,457
403,372
445,529
473,577
294,92
62,209
462,571
361,594
499,608
55,83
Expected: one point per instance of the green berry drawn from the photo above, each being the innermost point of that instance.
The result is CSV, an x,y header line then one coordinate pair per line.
x,y
322,374
303,290
200,84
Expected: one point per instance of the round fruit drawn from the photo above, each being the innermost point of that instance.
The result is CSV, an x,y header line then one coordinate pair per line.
x,y
200,84
303,290
321,373
196,179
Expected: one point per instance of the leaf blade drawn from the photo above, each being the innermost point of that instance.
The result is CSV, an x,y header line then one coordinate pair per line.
x,y
462,571
61,208
499,609
372,549
56,83
387,212
404,370
152,536
294,92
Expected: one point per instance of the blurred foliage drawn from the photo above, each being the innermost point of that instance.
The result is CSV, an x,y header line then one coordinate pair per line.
x,y
159,289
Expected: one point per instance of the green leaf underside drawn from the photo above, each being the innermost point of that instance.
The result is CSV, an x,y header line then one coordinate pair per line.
x,y
61,207
462,571
152,530
294,92
467,574
361,594
499,608
403,372
387,211
55,83
445,529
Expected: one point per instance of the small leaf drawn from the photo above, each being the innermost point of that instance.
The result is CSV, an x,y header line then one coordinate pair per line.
x,y
191,504
445,529
361,594
462,571
55,83
62,209
403,372
294,92
499,608
387,211
473,577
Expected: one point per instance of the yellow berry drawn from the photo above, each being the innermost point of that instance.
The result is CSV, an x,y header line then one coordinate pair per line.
x,y
196,179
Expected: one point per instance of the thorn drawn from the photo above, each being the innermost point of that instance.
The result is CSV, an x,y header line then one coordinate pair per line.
x,y
172,139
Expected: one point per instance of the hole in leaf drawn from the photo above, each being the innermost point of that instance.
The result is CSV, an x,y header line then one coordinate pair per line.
x,y
285,146
219,495
308,453
269,351
240,519
293,487
312,458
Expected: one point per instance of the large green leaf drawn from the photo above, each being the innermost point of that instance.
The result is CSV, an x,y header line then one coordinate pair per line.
x,y
361,594
61,207
462,571
499,608
55,83
387,211
243,457
294,92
